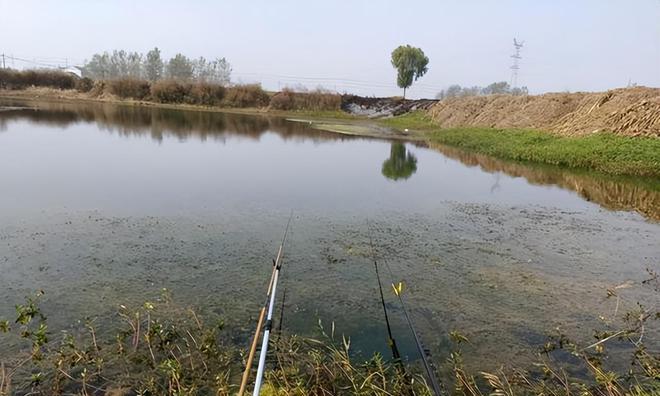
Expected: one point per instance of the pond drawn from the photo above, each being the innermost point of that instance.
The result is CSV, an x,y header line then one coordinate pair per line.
x,y
103,204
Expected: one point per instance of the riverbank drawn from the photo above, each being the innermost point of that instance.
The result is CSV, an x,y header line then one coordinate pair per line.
x,y
603,151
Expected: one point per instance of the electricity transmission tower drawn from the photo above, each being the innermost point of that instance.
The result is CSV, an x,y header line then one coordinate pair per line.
x,y
516,62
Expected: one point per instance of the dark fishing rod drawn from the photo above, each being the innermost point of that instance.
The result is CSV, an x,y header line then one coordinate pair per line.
x,y
390,340
423,352
270,293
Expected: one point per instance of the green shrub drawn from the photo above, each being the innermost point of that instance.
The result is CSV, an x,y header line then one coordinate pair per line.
x,y
170,91
130,88
250,95
317,100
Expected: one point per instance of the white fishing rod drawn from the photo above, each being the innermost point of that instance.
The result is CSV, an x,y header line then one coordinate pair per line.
x,y
269,317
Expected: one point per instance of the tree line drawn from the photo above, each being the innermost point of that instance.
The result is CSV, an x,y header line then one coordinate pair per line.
x,y
496,88
152,67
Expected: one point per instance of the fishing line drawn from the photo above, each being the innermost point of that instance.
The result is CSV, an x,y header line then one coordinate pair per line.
x,y
390,340
423,352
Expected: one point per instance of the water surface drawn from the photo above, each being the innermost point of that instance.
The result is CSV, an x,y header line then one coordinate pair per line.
x,y
104,204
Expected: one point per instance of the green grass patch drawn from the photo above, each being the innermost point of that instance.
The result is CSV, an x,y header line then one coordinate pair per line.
x,y
417,121
603,152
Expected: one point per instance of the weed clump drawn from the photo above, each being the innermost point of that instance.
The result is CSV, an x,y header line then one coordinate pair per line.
x,y
128,88
317,100
170,91
160,348
14,79
84,84
206,94
249,95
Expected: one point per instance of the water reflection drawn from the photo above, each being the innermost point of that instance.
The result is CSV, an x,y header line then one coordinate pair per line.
x,y
401,164
158,123
612,192
615,193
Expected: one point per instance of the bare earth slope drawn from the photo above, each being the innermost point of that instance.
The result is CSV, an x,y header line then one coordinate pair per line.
x,y
627,111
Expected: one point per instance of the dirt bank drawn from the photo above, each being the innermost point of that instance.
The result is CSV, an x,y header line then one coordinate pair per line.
x,y
627,111
382,107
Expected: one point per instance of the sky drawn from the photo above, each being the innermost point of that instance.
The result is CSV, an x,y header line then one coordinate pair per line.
x,y
569,45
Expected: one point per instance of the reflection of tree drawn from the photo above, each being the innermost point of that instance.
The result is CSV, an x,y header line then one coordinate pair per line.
x,y
401,164
160,122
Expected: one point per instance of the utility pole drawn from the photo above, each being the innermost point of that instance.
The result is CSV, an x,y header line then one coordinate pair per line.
x,y
3,61
516,62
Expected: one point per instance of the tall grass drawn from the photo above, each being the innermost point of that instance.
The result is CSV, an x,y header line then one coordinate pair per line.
x,y
161,348
249,95
172,91
130,88
14,79
317,100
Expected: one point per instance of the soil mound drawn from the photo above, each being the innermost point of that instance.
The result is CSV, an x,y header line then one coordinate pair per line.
x,y
382,107
627,111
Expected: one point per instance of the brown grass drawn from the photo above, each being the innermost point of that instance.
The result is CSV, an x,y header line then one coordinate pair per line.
x,y
14,79
628,111
318,100
250,95
127,88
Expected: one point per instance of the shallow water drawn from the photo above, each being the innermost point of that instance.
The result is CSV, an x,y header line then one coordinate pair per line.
x,y
103,205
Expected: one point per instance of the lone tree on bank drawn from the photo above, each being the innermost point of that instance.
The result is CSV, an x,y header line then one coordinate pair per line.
x,y
410,64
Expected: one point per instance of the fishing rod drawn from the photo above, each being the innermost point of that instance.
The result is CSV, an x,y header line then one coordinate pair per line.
x,y
423,352
277,265
390,340
269,318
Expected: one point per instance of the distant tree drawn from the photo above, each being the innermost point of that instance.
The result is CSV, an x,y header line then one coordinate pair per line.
x,y
217,71
453,91
153,65
520,91
134,67
98,67
401,164
496,88
122,64
221,71
410,63
180,68
118,64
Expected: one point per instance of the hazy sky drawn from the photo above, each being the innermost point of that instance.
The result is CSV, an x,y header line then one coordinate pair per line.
x,y
345,45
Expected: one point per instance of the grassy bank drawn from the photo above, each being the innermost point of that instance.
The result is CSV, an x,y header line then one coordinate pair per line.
x,y
162,348
604,152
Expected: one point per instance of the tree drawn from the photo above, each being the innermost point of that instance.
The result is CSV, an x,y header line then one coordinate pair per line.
x,y
401,164
217,71
134,67
180,68
497,88
410,64
98,67
153,65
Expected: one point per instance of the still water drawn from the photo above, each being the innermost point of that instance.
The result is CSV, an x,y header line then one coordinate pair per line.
x,y
102,205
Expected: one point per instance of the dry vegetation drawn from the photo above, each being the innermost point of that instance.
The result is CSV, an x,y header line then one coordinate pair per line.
x,y
317,100
14,79
627,111
162,348
171,91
